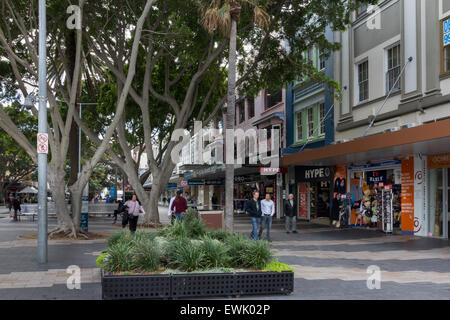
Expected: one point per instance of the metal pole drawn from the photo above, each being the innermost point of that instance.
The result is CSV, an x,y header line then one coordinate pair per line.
x,y
42,125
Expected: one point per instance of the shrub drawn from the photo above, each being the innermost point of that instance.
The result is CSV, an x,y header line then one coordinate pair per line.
x,y
256,254
236,244
190,215
121,236
215,253
178,230
278,266
146,256
120,258
186,256
101,259
220,235
141,237
195,228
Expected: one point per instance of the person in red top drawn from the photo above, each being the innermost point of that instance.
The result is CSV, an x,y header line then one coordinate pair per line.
x,y
179,205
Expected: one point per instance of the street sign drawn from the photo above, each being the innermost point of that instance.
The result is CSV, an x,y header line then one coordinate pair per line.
x,y
42,143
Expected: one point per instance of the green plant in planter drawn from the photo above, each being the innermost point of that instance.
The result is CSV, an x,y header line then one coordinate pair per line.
x,y
179,229
256,254
120,258
216,253
278,266
101,259
236,245
190,214
195,228
220,235
142,236
146,256
117,237
185,256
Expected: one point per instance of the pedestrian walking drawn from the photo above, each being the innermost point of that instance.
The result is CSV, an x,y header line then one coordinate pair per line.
x,y
335,209
178,206
253,208
267,212
290,214
169,211
10,202
134,209
16,207
118,210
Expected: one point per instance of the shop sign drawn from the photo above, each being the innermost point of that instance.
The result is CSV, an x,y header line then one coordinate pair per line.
x,y
309,174
246,179
171,186
217,182
376,165
196,183
446,33
184,183
376,177
438,161
268,171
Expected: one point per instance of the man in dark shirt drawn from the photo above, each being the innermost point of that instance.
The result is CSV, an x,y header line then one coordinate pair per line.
x,y
290,213
254,210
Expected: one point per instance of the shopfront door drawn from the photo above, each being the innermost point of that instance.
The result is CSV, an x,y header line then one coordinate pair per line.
x,y
439,193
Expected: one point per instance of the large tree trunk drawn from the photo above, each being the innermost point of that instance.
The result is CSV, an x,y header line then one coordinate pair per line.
x,y
231,102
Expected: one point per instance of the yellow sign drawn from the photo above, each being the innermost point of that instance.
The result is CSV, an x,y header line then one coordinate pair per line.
x,y
439,161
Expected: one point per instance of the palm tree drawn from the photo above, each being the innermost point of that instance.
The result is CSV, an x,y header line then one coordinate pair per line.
x,y
224,15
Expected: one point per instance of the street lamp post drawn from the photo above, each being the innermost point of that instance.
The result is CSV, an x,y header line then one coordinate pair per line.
x,y
42,128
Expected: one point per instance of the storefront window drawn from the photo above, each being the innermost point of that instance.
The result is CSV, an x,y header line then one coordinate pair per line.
x,y
435,197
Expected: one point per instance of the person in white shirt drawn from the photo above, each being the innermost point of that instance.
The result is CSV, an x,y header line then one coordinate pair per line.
x,y
169,212
268,210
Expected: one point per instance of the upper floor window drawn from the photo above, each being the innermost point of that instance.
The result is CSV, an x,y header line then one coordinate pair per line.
x,y
310,114
393,68
322,118
299,126
273,97
363,81
362,9
251,107
322,60
445,63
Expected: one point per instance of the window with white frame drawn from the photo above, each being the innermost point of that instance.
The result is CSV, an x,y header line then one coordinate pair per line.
x,y
322,60
363,81
321,118
299,126
393,68
310,115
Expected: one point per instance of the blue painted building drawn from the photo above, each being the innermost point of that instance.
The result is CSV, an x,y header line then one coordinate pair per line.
x,y
310,124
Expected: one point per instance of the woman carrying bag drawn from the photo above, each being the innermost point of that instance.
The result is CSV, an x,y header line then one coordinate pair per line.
x,y
134,210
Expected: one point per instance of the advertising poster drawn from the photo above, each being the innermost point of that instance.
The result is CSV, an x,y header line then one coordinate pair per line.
x,y
407,199
420,208
303,201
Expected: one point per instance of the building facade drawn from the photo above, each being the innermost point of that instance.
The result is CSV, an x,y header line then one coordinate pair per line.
x,y
392,133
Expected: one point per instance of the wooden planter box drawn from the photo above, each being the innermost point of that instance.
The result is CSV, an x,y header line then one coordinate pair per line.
x,y
196,285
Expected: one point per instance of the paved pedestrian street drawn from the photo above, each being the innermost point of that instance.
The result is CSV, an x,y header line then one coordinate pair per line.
x,y
328,263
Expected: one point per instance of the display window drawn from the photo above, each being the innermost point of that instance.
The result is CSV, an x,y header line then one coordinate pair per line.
x,y
369,188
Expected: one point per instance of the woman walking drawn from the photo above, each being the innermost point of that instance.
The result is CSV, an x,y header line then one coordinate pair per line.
x,y
134,208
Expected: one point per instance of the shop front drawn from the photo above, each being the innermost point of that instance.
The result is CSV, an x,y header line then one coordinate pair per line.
x,y
438,177
376,190
314,191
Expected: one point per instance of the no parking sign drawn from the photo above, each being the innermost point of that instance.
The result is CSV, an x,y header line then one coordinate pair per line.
x,y
42,143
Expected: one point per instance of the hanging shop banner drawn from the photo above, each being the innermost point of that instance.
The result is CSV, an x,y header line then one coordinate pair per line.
x,y
313,174
269,171
171,186
407,199
376,177
438,161
303,201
